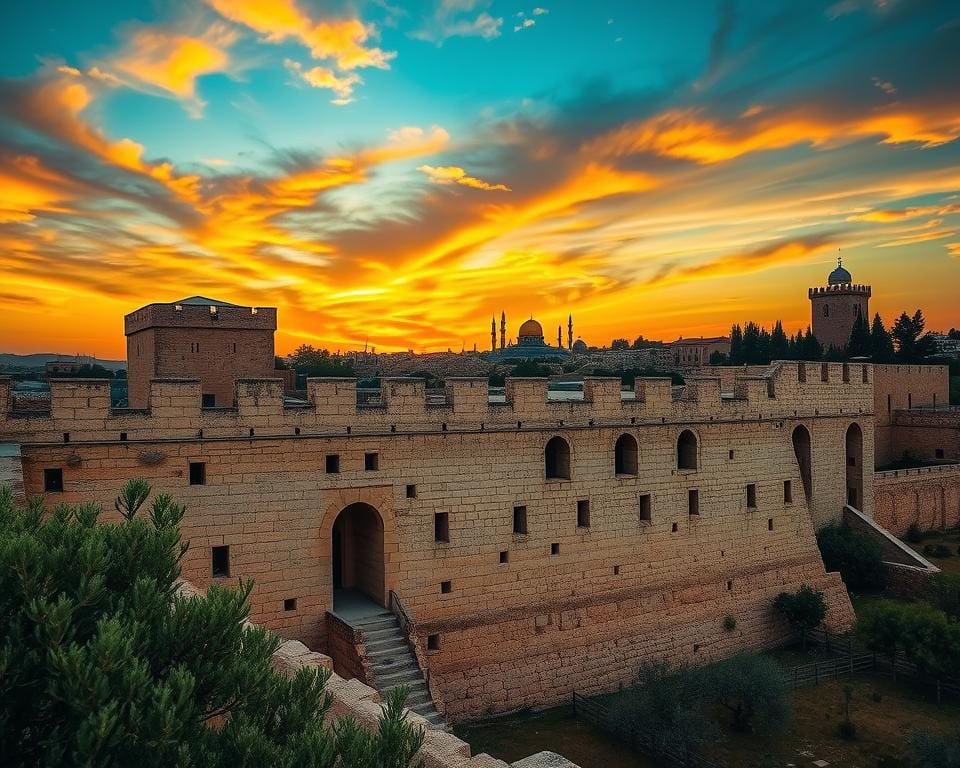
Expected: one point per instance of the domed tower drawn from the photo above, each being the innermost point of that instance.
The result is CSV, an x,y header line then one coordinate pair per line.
x,y
836,306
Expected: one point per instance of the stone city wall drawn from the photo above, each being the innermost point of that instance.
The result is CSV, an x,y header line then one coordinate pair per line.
x,y
616,588
903,387
927,496
928,435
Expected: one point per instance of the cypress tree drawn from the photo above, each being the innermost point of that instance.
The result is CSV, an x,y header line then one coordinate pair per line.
x,y
881,343
859,344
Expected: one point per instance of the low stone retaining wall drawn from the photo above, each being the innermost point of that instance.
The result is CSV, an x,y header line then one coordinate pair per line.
x,y
347,650
927,496
352,698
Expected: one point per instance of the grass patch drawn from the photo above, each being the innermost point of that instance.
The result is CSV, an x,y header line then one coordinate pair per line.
x,y
516,736
949,539
884,714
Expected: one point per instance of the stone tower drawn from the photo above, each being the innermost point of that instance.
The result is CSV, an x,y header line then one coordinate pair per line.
x,y
200,338
836,306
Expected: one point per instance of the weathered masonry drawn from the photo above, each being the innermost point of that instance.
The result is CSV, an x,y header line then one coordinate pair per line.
x,y
538,546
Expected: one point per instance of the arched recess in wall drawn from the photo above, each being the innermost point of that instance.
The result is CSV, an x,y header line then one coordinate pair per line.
x,y
357,552
801,448
687,450
556,458
626,454
854,451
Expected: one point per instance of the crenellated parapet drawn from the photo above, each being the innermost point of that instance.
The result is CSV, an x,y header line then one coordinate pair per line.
x,y
843,289
80,408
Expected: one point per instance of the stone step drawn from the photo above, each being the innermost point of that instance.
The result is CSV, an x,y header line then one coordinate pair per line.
x,y
373,635
394,644
406,675
378,622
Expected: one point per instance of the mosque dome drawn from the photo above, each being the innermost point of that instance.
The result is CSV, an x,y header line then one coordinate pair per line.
x,y
531,328
839,276
579,345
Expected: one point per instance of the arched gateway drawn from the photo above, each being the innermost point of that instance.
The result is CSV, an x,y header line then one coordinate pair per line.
x,y
357,552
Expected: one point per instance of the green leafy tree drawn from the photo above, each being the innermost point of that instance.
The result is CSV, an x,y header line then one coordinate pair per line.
x,y
805,609
736,345
945,593
858,558
305,359
880,627
779,344
619,344
667,708
753,688
860,343
103,664
917,632
810,348
908,338
642,343
881,342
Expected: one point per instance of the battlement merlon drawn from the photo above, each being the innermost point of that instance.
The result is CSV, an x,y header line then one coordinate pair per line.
x,y
847,289
82,406
200,316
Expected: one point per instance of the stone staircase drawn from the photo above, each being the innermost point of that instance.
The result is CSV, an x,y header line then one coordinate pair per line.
x,y
394,664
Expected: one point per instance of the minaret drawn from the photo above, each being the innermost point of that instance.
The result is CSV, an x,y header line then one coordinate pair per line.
x,y
560,336
493,333
503,330
570,331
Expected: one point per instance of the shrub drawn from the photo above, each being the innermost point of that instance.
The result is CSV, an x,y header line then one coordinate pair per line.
x,y
103,663
804,609
928,550
665,708
916,631
935,750
753,688
942,550
729,623
858,558
914,534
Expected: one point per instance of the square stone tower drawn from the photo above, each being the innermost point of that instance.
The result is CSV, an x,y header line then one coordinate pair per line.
x,y
836,306
198,338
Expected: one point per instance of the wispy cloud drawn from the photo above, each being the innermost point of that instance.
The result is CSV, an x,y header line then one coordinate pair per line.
x,y
323,77
459,18
452,174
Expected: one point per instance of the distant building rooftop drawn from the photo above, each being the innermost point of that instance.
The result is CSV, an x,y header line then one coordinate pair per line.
x,y
203,301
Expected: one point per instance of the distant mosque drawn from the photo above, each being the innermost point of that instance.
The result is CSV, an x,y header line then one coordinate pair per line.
x,y
531,344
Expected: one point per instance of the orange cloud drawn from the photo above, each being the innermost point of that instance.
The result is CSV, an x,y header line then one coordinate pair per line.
x,y
688,135
886,215
171,62
344,41
922,237
453,174
740,262
321,77
57,105
29,187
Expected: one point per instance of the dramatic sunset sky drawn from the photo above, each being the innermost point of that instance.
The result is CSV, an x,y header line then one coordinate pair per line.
x,y
394,173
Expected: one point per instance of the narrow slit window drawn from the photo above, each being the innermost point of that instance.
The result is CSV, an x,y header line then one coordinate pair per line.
x,y
519,520
53,480
693,502
441,527
645,515
220,561
787,492
583,513
411,491
333,463
198,473
752,496
371,461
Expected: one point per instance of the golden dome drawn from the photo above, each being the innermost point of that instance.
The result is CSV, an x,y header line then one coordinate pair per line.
x,y
531,328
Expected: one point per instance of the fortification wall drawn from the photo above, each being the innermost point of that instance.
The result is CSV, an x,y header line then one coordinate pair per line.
x,y
927,496
929,435
902,387
267,495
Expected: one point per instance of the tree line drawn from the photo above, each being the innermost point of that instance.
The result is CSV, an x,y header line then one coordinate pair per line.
x,y
904,342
